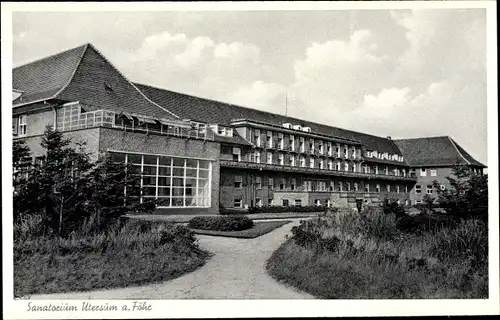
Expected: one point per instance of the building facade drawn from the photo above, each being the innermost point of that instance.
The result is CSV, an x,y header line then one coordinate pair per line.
x,y
200,155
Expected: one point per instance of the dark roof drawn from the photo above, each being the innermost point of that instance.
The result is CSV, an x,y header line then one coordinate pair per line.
x,y
210,111
235,139
82,74
435,151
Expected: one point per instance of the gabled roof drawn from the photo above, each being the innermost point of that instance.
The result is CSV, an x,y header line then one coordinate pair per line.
x,y
210,111
435,151
82,74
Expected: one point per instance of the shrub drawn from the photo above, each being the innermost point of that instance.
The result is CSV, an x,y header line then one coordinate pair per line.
x,y
221,223
425,222
392,207
380,225
275,209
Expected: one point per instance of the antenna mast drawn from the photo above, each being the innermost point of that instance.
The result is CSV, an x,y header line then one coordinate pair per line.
x,y
286,104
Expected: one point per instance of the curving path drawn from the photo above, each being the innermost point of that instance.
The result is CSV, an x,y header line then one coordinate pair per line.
x,y
235,271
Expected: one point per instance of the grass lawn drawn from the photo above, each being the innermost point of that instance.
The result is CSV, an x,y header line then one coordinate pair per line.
x,y
259,228
124,257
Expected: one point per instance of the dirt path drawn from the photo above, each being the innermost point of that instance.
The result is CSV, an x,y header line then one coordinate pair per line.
x,y
235,271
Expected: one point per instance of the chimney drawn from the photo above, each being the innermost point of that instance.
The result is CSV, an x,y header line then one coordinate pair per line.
x,y
389,137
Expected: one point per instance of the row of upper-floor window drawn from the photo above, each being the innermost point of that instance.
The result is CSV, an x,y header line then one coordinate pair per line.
x,y
312,185
282,141
310,162
384,156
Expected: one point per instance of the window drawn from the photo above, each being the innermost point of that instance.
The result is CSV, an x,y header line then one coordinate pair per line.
x,y
281,159
175,181
292,143
270,202
328,203
386,170
406,202
433,173
320,147
282,184
298,202
429,189
269,157
353,167
285,203
293,183
292,160
418,188
15,126
442,187
376,169
332,186
330,165
346,166
311,162
329,149
269,139
270,183
337,167
223,131
377,188
346,152
258,183
22,125
397,188
356,187
257,156
418,201
318,202
257,137
367,187
281,141
302,161
340,186
423,172
238,203
396,172
348,186
388,188
404,172
301,144
311,145
258,202
337,151
321,164
236,154
39,161
406,189
238,181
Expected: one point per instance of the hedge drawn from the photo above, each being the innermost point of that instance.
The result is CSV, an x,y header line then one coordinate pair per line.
x,y
221,223
274,209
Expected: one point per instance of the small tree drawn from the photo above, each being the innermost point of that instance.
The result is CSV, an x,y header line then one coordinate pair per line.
x,y
70,191
467,195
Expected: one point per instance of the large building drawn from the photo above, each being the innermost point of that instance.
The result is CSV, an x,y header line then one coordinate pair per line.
x,y
200,155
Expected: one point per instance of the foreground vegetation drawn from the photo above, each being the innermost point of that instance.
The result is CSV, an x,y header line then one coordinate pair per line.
x,y
68,234
382,253
131,253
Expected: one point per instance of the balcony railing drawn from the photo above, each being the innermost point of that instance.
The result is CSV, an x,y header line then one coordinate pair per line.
x,y
283,168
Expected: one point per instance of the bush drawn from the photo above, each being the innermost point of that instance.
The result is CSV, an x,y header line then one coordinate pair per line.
x,y
221,223
425,222
276,209
392,207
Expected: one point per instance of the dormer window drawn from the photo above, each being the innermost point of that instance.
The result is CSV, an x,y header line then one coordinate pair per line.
x,y
16,94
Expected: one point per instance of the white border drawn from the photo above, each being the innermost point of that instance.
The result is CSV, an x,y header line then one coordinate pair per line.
x,y
257,308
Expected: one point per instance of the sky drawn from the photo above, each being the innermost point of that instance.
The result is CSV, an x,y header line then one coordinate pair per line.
x,y
398,73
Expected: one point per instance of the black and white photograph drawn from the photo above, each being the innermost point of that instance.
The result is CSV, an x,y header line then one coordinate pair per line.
x,y
170,158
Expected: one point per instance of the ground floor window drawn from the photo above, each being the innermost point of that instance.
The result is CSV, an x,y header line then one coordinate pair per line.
x,y
298,202
285,203
238,203
176,181
270,202
318,202
258,202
